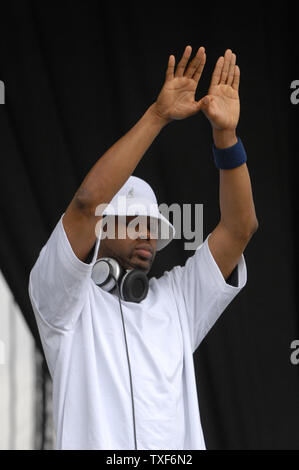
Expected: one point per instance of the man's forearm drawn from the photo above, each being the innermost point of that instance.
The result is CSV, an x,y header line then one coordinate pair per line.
x,y
236,200
176,100
113,168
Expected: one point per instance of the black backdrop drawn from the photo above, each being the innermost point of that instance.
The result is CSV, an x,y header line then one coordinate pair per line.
x,y
77,76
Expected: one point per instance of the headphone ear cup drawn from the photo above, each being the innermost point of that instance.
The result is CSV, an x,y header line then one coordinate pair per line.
x,y
106,272
134,285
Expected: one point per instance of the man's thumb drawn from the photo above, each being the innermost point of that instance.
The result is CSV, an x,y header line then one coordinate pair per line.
x,y
205,101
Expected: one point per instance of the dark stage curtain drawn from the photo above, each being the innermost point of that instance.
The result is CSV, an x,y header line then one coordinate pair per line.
x,y
77,76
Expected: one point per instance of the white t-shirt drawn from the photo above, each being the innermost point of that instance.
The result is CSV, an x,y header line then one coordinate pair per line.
x,y
82,335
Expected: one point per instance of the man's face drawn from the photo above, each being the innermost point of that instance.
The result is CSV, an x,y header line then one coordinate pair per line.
x,y
129,252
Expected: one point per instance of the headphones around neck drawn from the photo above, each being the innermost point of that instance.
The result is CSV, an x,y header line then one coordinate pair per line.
x,y
133,283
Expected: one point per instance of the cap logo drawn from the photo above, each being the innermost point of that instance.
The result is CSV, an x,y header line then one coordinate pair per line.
x,y
131,193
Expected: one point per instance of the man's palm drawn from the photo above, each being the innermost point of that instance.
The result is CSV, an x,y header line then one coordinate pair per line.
x,y
176,99
222,105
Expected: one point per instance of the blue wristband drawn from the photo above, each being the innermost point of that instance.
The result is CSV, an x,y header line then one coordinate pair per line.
x,y
231,157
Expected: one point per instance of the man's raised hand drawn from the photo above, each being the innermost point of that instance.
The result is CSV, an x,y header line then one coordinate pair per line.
x,y
176,99
222,105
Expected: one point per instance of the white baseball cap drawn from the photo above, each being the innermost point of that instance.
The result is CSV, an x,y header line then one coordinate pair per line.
x,y
136,197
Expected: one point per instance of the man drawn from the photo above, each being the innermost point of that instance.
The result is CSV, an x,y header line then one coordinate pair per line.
x,y
80,323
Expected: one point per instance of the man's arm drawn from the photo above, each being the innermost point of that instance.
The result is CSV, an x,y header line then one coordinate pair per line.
x,y
104,180
111,171
238,221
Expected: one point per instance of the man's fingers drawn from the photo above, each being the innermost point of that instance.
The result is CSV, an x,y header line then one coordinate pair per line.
x,y
217,72
200,68
226,71
231,71
202,60
183,62
236,80
196,65
226,64
170,68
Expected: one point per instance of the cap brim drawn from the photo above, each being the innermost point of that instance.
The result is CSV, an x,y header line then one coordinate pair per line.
x,y
166,233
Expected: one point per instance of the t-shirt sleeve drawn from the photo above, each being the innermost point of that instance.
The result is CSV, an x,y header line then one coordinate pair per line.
x,y
204,291
58,282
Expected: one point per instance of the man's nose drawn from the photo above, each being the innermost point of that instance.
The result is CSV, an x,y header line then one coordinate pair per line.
x,y
144,233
